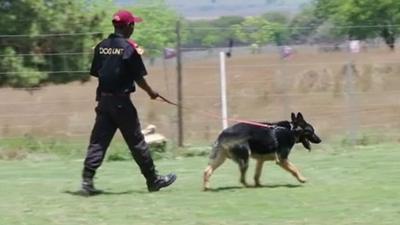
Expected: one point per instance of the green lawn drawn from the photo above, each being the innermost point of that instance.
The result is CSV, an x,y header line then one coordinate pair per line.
x,y
359,186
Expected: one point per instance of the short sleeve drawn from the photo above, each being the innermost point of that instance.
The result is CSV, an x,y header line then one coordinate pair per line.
x,y
96,63
136,65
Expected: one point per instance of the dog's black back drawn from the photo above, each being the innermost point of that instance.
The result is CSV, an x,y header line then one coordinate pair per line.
x,y
258,139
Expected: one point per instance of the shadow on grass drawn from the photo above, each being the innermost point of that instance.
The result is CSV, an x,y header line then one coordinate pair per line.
x,y
255,187
83,194
281,186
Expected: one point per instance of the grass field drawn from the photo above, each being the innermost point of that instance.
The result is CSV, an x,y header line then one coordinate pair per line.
x,y
346,186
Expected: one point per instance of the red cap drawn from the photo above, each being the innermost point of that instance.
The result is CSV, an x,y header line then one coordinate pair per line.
x,y
124,17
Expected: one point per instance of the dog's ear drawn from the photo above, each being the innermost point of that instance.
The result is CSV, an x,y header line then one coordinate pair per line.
x,y
293,116
300,116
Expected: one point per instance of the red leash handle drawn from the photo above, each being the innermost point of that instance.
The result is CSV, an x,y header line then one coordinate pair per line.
x,y
208,114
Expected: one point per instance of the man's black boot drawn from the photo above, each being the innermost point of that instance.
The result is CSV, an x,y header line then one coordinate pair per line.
x,y
88,188
160,182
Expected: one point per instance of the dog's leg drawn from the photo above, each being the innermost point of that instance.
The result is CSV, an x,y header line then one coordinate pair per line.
x,y
288,166
241,154
243,166
212,166
257,174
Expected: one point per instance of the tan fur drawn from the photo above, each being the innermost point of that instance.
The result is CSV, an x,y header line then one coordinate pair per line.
x,y
257,174
290,167
212,166
260,159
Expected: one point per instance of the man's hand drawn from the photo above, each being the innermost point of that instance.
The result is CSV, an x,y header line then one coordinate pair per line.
x,y
146,87
153,94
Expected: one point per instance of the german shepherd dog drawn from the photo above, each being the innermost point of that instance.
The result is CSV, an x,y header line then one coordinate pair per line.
x,y
273,141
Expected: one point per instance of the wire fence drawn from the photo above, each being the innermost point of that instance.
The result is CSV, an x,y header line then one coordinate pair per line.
x,y
340,92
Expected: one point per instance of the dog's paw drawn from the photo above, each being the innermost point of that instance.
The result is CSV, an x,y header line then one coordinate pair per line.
x,y
302,180
257,185
245,185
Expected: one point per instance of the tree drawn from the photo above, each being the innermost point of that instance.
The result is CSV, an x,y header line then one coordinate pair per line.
x,y
16,74
210,40
157,31
255,30
210,33
362,19
280,23
28,56
276,17
305,24
32,58
194,32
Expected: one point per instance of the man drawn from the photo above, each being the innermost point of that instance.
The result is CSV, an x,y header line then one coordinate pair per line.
x,y
117,65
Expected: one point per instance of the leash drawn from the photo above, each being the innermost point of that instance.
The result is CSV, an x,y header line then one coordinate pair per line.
x,y
209,114
167,101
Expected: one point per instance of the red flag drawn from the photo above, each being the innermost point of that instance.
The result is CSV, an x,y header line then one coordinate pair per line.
x,y
169,53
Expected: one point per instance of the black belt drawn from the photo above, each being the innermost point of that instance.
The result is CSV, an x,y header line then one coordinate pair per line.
x,y
114,94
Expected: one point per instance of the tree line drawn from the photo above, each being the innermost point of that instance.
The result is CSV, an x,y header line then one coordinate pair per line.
x,y
51,41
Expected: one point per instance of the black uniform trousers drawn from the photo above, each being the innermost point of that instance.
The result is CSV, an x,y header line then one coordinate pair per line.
x,y
116,111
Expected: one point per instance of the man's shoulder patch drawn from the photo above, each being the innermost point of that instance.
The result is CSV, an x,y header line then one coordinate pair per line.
x,y
135,46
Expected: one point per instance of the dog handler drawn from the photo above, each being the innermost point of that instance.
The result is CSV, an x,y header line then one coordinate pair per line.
x,y
118,65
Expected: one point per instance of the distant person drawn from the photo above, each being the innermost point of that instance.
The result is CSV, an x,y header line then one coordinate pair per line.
x,y
286,52
118,65
355,46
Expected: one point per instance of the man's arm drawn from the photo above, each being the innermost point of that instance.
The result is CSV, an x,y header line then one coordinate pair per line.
x,y
146,87
139,71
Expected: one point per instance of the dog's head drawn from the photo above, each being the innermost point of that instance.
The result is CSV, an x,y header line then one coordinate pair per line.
x,y
304,131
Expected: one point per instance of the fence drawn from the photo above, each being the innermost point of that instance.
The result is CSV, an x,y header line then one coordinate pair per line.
x,y
339,92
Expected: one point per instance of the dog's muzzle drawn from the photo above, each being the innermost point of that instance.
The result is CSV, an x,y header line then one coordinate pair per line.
x,y
305,140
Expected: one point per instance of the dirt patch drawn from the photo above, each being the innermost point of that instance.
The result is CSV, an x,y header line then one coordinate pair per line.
x,y
7,154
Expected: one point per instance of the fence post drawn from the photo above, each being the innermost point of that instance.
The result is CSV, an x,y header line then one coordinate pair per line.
x,y
285,85
352,120
179,82
223,90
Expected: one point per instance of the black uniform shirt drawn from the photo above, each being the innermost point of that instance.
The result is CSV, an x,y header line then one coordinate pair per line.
x,y
117,65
